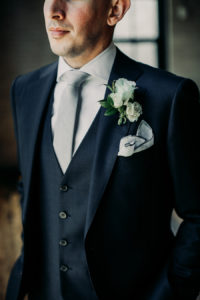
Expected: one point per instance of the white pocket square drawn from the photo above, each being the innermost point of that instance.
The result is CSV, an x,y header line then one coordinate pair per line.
x,y
135,143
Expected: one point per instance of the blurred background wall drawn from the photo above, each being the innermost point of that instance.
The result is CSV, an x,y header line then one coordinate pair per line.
x,y
161,33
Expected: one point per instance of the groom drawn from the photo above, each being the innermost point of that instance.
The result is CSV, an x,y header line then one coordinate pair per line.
x,y
100,179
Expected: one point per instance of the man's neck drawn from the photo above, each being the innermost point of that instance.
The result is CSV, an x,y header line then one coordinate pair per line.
x,y
79,61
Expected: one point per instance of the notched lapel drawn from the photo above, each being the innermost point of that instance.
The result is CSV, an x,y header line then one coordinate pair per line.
x,y
108,138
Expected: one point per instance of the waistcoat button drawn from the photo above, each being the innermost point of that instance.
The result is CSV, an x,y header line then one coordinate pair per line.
x,y
63,188
63,215
64,268
63,243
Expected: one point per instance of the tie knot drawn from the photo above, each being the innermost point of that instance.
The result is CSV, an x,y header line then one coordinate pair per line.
x,y
74,77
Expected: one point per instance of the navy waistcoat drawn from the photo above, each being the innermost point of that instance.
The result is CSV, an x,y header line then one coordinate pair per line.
x,y
63,271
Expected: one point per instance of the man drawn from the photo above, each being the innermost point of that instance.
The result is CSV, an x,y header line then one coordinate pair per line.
x,y
97,225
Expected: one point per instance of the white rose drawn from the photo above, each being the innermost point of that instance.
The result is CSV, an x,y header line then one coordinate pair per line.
x,y
133,111
125,88
117,99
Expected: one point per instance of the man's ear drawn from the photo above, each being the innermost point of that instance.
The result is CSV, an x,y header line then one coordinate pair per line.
x,y
117,10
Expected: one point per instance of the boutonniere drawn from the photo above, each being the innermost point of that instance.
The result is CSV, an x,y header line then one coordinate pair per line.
x,y
121,100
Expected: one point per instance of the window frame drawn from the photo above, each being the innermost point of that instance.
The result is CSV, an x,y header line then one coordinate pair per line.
x,y
160,41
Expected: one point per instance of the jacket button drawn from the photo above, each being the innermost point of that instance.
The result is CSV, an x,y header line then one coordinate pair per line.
x,y
64,268
63,215
63,243
63,188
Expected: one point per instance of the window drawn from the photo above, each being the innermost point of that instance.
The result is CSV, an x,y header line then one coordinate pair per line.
x,y
140,33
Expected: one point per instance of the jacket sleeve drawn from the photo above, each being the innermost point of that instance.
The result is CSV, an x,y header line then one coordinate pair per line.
x,y
184,162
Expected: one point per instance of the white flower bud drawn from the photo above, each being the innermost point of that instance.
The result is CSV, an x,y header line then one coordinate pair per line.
x,y
133,111
125,88
117,99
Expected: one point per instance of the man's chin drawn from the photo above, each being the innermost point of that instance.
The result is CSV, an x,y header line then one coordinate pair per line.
x,y
60,51
64,51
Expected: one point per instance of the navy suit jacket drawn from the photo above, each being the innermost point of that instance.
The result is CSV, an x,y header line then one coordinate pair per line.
x,y
130,248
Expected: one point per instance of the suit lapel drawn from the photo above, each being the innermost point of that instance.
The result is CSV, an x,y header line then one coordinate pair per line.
x,y
35,97
108,138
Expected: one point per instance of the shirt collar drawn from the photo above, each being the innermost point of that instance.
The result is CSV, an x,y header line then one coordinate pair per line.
x,y
100,66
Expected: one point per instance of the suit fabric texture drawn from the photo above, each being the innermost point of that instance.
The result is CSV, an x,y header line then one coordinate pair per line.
x,y
130,249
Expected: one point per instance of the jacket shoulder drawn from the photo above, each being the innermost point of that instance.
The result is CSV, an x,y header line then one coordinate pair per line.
x,y
33,76
151,76
160,88
155,76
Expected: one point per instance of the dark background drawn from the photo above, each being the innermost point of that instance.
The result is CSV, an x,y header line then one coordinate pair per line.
x,y
23,48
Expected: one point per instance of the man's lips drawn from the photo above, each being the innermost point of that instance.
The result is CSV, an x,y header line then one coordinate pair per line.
x,y
58,31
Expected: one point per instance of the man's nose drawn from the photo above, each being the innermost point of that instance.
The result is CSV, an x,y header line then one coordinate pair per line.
x,y
58,14
56,10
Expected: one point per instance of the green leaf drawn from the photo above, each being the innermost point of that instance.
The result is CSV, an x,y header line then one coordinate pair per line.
x,y
109,87
124,122
121,109
120,121
105,103
110,101
113,86
110,111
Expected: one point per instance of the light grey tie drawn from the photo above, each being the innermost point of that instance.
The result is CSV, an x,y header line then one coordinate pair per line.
x,y
66,115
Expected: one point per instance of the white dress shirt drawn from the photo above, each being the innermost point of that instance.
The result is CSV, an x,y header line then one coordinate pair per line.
x,y
93,90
